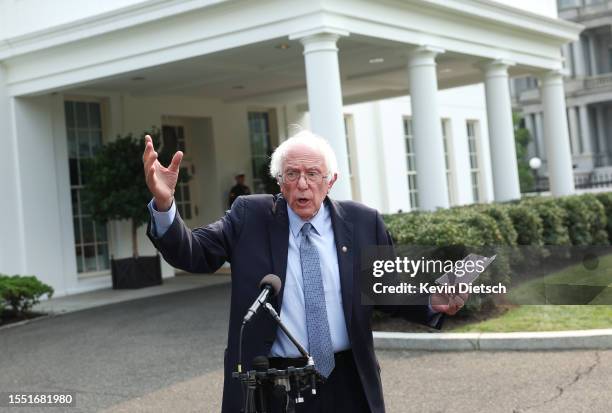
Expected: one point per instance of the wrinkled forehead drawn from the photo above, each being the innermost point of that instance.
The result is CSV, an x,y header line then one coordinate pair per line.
x,y
303,156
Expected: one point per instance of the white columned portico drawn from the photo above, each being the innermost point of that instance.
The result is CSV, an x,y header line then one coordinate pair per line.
x,y
556,137
427,129
506,185
325,99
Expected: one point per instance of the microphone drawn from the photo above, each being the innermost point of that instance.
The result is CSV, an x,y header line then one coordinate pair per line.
x,y
270,284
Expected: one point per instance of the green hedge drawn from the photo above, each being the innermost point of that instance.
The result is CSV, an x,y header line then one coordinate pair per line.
x,y
539,222
573,220
606,201
21,293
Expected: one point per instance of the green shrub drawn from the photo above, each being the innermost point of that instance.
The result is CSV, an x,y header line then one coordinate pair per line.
x,y
606,200
553,216
22,292
585,220
527,224
598,221
500,214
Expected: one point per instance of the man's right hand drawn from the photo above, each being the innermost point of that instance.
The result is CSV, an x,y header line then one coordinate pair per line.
x,y
161,181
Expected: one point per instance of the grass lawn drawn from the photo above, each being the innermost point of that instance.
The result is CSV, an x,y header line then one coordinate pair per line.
x,y
570,285
545,318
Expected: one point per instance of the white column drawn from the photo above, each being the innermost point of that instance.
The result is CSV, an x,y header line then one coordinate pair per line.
x,y
427,129
579,58
585,129
593,55
541,150
556,136
573,130
501,132
325,101
567,55
600,123
12,242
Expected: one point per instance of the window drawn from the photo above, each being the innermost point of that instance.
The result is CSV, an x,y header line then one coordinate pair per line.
x,y
349,135
259,136
174,139
413,192
472,130
411,161
84,132
447,160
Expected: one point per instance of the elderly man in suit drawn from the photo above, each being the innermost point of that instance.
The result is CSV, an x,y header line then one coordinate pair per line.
x,y
312,243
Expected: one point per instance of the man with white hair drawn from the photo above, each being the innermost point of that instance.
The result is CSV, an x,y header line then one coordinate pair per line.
x,y
312,243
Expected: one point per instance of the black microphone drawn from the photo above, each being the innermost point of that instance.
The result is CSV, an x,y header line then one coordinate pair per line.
x,y
270,284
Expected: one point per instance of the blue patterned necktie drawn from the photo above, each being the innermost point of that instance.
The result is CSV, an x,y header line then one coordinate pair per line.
x,y
319,338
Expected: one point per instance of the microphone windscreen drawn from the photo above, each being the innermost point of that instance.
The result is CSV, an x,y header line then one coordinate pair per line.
x,y
273,281
261,363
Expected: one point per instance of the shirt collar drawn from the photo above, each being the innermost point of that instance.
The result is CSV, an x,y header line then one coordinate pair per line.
x,y
296,223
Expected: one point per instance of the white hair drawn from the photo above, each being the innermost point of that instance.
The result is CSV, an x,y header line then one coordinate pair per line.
x,y
310,140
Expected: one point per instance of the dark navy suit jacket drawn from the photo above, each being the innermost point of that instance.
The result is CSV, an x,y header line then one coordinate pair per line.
x,y
254,237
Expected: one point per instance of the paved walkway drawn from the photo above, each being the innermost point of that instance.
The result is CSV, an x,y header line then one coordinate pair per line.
x,y
164,353
107,296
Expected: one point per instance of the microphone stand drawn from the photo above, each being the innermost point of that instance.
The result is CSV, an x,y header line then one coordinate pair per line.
x,y
296,343
289,382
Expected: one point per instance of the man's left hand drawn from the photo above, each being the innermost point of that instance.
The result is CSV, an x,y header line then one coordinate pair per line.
x,y
448,303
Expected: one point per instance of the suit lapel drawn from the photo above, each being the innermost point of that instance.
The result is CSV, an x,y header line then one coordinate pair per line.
x,y
343,235
279,243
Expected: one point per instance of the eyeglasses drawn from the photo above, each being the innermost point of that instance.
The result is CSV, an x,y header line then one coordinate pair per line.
x,y
313,177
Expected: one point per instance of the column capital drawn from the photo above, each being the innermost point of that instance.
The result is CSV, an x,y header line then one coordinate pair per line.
x,y
319,39
490,65
552,77
323,31
423,55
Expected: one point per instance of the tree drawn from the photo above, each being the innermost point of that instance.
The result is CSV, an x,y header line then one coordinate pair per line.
x,y
115,187
522,137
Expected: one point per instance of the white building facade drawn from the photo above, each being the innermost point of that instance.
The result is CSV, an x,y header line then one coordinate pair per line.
x,y
412,95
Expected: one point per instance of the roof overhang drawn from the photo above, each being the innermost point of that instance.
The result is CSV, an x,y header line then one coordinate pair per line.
x,y
158,37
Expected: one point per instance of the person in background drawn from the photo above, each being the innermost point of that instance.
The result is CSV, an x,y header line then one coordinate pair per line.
x,y
239,189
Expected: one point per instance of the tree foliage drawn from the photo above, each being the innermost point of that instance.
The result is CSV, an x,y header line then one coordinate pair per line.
x,y
115,187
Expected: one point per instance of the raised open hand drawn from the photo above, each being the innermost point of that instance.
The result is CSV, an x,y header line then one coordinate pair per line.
x,y
161,181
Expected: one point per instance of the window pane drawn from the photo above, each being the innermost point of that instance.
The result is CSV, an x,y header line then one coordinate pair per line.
x,y
96,141
103,258
74,193
169,138
79,259
77,231
94,116
72,144
83,144
69,108
74,171
186,195
187,211
81,114
89,253
88,230
101,235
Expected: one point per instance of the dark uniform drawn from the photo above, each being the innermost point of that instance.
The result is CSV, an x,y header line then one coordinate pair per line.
x,y
236,191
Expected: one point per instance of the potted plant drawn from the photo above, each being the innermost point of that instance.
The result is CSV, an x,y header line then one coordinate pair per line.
x,y
115,189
